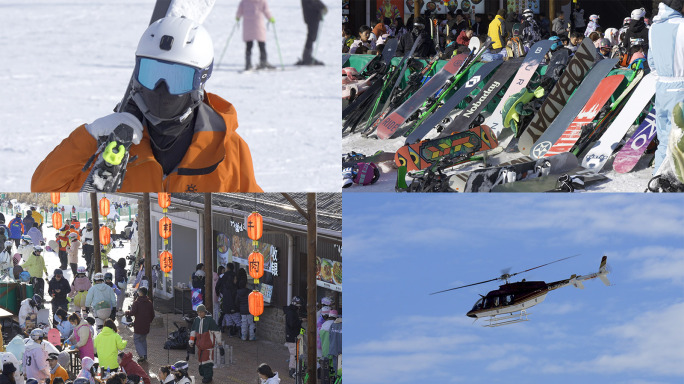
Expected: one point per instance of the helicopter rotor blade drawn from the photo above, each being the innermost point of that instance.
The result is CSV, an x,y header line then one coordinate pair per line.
x,y
463,286
543,265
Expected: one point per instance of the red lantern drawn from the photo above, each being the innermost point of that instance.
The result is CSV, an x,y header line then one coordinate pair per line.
x,y
165,227
166,261
54,197
104,206
256,304
256,266
163,199
57,220
255,226
105,235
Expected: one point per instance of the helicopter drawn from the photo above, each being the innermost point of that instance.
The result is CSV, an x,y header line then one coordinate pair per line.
x,y
509,303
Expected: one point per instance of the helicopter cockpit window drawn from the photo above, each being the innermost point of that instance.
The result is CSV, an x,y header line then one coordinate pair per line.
x,y
478,305
508,300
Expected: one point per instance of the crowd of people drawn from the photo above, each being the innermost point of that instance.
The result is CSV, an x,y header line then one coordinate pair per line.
x,y
85,313
511,34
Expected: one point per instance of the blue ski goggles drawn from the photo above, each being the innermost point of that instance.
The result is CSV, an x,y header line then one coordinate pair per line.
x,y
179,78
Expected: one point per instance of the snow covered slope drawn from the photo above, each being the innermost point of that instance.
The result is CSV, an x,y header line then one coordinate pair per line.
x,y
67,63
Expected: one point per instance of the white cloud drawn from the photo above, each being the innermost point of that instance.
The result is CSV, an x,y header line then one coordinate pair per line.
x,y
650,344
657,262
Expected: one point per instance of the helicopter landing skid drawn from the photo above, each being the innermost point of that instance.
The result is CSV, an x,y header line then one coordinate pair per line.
x,y
518,317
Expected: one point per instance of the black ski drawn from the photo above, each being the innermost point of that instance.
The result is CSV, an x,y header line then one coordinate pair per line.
x,y
440,114
497,83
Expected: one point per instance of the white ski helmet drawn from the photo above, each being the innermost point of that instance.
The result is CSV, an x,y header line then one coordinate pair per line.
x,y
174,59
81,270
98,277
177,40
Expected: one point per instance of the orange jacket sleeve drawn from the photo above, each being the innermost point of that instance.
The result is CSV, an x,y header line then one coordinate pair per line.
x,y
63,166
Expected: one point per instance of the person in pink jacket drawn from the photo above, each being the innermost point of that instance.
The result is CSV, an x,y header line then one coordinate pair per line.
x,y
254,28
82,338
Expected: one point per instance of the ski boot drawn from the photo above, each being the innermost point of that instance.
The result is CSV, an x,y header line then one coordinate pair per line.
x,y
112,156
264,65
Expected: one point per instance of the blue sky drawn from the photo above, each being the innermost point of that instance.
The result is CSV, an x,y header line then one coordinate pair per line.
x,y
400,247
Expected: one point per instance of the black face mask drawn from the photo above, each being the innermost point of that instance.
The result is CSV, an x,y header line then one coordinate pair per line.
x,y
164,105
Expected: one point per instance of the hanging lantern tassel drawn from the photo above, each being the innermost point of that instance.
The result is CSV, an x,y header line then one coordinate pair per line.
x,y
256,266
166,262
57,220
256,304
104,207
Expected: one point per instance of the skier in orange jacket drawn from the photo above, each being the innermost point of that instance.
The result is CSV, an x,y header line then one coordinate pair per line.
x,y
184,138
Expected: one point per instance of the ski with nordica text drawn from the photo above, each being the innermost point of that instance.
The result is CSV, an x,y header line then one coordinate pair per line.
x,y
497,82
441,113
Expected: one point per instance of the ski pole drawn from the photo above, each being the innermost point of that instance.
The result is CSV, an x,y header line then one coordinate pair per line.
x,y
278,46
227,42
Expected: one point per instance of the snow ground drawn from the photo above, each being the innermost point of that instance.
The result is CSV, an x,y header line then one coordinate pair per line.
x,y
67,63
634,181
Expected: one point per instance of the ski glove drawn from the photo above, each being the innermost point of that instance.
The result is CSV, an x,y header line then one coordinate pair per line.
x,y
106,125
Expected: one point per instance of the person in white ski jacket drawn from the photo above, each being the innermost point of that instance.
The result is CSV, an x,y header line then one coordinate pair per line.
x,y
35,357
6,263
28,306
100,298
666,59
35,235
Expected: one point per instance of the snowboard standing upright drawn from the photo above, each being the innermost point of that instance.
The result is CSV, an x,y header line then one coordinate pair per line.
x,y
576,70
561,136
635,147
522,77
597,156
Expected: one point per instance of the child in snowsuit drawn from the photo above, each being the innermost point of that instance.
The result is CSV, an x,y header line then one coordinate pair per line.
x,y
205,333
254,29
79,289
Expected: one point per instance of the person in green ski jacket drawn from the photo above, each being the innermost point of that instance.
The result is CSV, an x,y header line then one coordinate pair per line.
x,y
205,333
107,345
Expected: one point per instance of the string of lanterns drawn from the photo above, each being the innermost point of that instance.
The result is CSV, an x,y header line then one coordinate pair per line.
x,y
165,224
56,216
255,226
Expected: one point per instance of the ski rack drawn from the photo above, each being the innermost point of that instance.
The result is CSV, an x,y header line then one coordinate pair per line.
x,y
510,319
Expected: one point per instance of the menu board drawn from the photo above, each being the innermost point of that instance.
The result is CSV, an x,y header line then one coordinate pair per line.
x,y
329,274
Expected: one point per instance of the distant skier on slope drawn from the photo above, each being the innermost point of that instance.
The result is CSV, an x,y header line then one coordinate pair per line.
x,y
183,137
253,28
314,10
